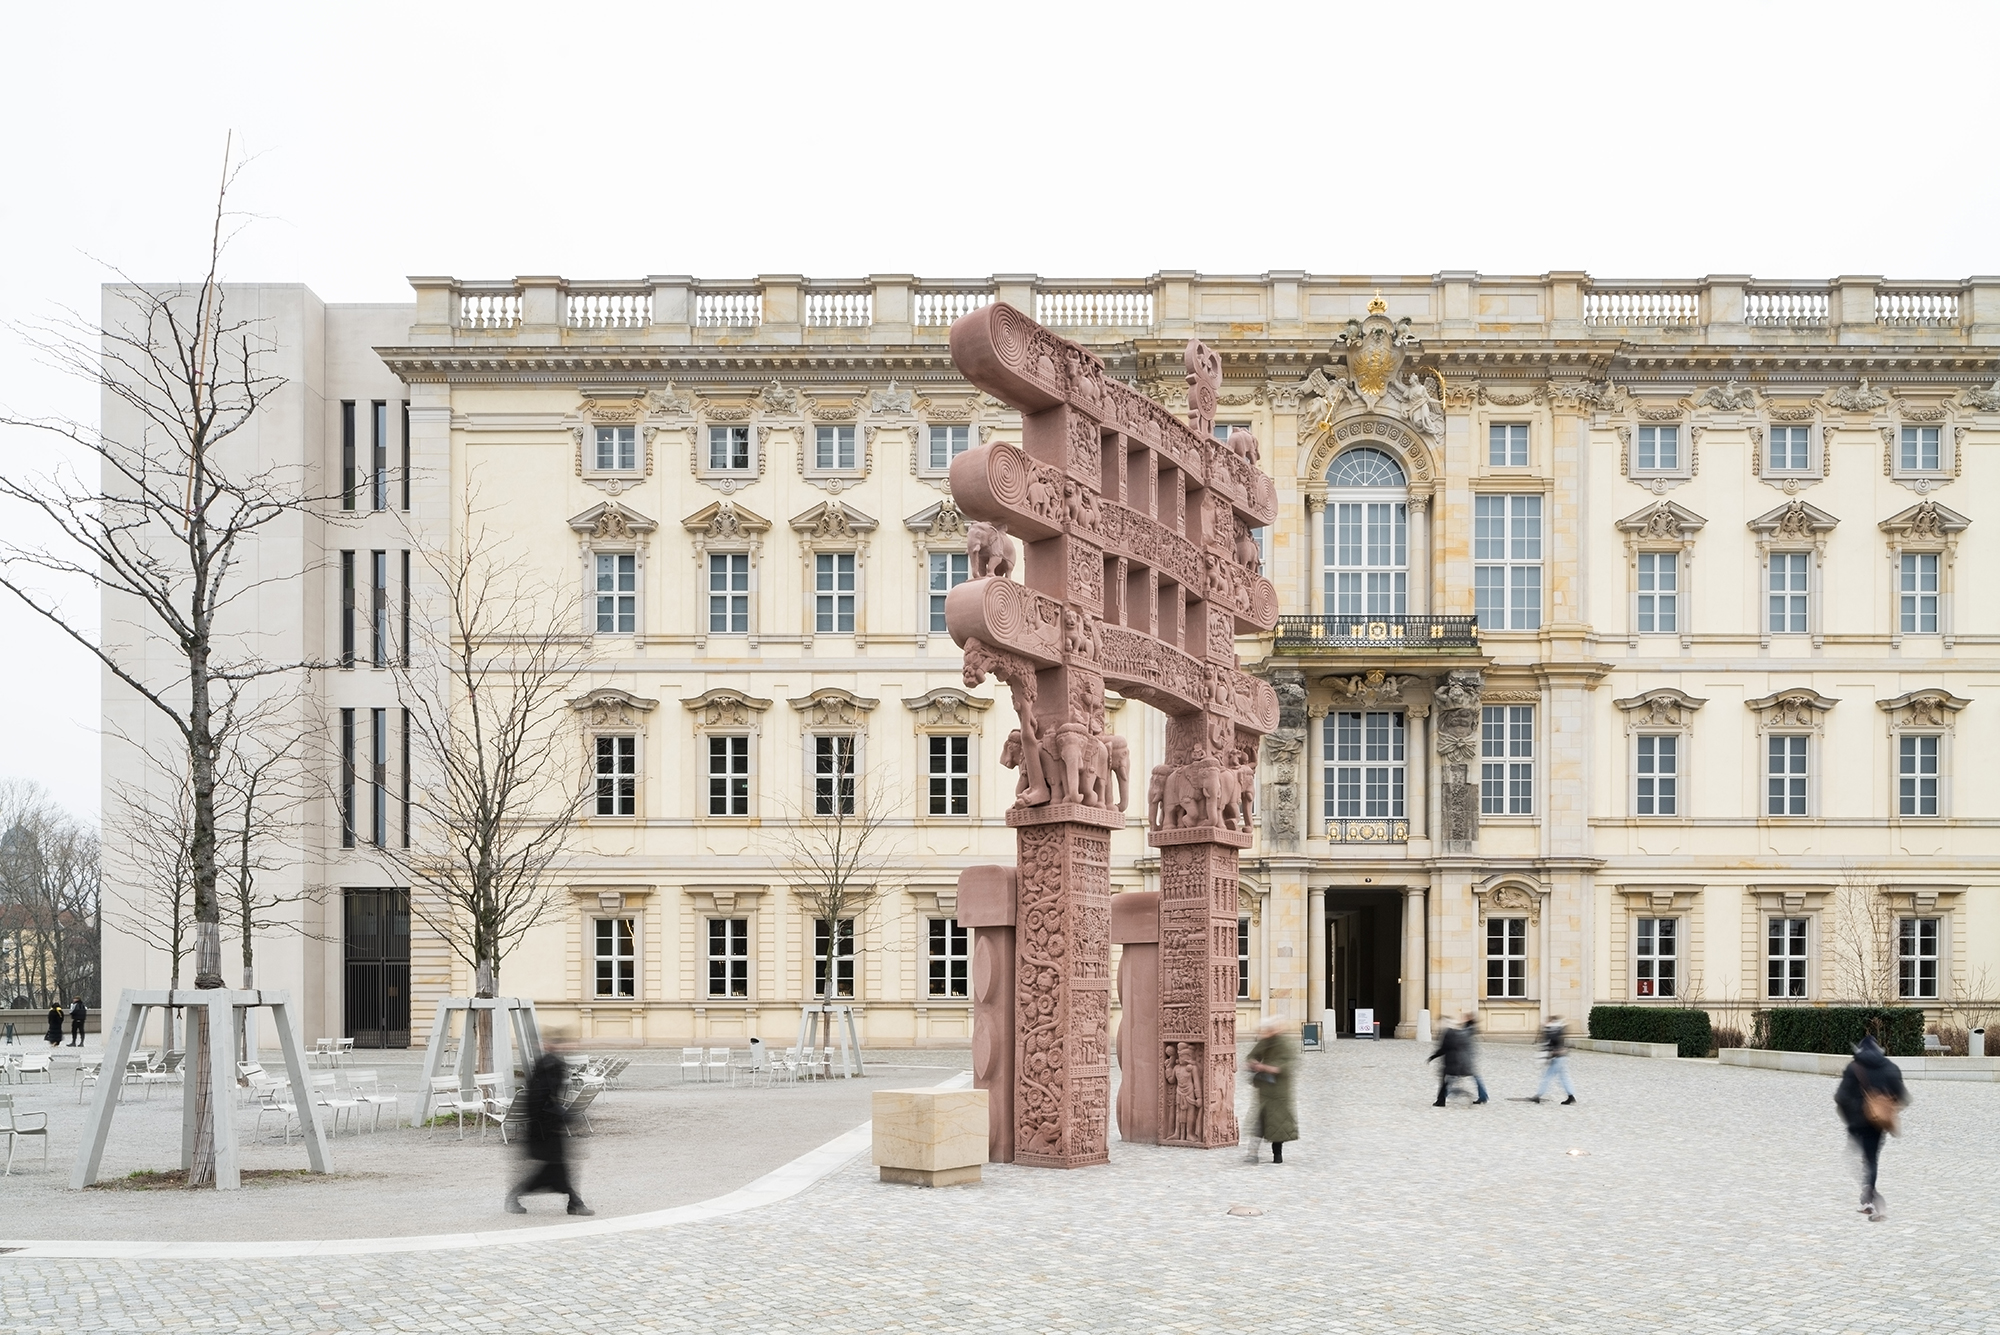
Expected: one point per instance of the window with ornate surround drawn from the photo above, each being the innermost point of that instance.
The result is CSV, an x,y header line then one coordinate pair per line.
x,y
613,539
837,449
947,725
614,430
1921,447
727,725
1790,733
1921,725
942,562
1659,730
1659,555
1513,953
1656,942
835,727
614,721
1785,946
728,586
1791,557
1789,451
1659,445
833,547
947,427
1922,547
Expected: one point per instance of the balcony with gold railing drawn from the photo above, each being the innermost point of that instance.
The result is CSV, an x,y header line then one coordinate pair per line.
x,y
1342,635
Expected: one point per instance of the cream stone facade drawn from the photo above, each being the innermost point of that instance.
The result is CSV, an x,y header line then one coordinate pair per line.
x,y
1631,647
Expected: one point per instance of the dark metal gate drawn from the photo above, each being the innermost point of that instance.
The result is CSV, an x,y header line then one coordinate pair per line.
x,y
378,968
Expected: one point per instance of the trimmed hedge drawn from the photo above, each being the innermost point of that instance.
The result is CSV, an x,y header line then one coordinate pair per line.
x,y
1689,1029
1837,1029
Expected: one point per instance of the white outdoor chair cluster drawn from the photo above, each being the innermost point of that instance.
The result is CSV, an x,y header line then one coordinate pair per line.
x,y
16,1125
16,1067
332,1051
724,1064
275,1097
144,1069
602,1072
485,1107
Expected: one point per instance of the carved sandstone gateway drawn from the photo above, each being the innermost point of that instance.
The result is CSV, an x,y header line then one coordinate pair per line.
x,y
1134,577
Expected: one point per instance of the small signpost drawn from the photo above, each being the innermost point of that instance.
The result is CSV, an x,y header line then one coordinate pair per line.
x,y
1365,1026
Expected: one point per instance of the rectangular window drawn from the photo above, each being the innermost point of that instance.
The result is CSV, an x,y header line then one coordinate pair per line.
x,y
1785,958
1506,957
950,949
1507,556
617,593
1789,449
615,958
403,779
729,448
1507,760
833,593
729,776
347,778
729,593
1242,958
729,957
406,455
843,957
951,775
1920,453
617,449
347,609
1507,445
1367,557
378,779
947,443
1658,779
948,571
617,776
378,610
378,472
1917,958
347,460
1917,593
833,447
833,775
1659,593
1790,590
1917,774
1786,775
1364,759
1659,449
404,642
1653,957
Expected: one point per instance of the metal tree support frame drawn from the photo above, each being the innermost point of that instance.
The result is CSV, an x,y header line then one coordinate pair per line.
x,y
828,1027
222,1005
518,1030
1139,573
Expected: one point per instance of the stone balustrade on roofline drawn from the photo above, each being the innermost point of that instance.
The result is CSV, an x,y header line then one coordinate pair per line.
x,y
902,309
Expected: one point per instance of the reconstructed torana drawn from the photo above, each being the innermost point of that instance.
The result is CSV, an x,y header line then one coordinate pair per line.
x,y
1631,644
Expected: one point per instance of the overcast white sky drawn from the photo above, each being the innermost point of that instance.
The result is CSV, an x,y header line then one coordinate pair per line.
x,y
724,140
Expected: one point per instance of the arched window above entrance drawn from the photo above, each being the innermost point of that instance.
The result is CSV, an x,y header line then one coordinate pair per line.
x,y
1365,549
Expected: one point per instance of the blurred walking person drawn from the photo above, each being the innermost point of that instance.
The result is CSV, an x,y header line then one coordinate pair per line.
x,y
78,1013
1871,1093
1271,1063
1555,1051
1455,1048
54,1036
546,1143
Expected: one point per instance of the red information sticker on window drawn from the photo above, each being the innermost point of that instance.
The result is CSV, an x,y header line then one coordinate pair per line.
x,y
1645,987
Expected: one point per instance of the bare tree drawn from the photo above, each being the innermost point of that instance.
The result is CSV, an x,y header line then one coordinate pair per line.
x,y
154,862
164,531
49,897
498,767
835,852
1863,940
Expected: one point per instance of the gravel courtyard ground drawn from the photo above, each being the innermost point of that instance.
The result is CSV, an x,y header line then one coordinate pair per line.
x,y
1675,1196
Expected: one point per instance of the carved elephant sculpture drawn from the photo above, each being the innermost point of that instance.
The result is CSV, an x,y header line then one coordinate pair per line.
x,y
1201,792
1118,759
1032,788
1080,763
990,550
1243,445
1156,797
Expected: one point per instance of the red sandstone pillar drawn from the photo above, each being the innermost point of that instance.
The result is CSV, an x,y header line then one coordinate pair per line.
x,y
986,904
1135,929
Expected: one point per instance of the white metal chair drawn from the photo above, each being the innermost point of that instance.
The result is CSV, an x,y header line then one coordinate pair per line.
x,y
167,1072
327,1095
41,1064
14,1125
579,1109
691,1060
343,1050
322,1050
512,1114
366,1088
447,1099
281,1101
785,1066
718,1060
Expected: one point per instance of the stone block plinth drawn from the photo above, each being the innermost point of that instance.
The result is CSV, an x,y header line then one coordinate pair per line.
x,y
930,1137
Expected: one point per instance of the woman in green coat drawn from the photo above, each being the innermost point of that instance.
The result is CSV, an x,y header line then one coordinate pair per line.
x,y
1271,1063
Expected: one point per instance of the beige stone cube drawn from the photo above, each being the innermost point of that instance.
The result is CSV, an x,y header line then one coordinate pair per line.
x,y
930,1137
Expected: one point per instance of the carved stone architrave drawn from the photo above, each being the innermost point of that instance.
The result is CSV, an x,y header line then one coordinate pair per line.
x,y
613,528
1330,439
1796,526
1935,415
1796,709
1663,708
1455,704
835,415
1661,527
609,707
1626,415
614,408
834,526
1930,709
725,707
1926,528
729,413
726,527
832,707
946,707
1510,895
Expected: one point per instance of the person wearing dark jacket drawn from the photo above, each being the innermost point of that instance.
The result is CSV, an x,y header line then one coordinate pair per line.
x,y
1555,1049
545,1144
54,1035
78,1013
1455,1047
1870,1073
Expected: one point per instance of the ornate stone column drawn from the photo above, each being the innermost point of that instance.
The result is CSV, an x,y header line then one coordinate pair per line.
x,y
1316,958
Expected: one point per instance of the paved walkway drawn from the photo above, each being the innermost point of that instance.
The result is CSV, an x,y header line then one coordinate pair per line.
x,y
1702,1199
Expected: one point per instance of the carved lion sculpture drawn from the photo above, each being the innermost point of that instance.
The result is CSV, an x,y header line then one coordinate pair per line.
x,y
1077,638
1247,554
1244,446
990,549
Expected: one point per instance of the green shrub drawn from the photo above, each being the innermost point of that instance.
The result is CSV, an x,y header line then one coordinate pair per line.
x,y
1837,1029
1688,1029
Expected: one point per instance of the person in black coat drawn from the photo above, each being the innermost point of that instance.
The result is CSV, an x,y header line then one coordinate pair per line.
x,y
77,1015
546,1144
55,1027
1455,1047
1870,1073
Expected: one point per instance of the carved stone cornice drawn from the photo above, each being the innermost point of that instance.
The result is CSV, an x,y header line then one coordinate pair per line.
x,y
1929,707
725,707
609,707
608,521
1662,707
726,521
1924,522
832,707
1794,521
1663,521
1795,707
946,707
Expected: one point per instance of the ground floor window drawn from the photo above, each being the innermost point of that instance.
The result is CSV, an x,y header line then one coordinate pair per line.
x,y
729,957
950,775
1654,956
1242,958
949,949
1506,957
1917,958
1785,958
615,957
842,935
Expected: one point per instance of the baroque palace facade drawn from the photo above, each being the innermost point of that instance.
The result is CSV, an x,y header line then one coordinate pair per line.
x,y
1630,649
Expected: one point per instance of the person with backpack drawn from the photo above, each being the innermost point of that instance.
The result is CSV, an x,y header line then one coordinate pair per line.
x,y
1870,1095
1555,1052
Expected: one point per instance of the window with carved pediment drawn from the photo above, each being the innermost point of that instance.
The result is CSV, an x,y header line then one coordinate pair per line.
x,y
614,541
1922,543
1921,724
1791,727
1659,728
1366,557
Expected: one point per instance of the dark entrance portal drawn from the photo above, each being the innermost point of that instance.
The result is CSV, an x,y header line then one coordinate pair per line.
x,y
1364,937
378,968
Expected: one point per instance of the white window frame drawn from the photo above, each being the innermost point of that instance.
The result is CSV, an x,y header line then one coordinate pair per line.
x,y
1911,956
1771,468
1910,439
1506,765
619,785
732,961
622,964
748,593
1800,962
935,433
1506,434
829,440
825,610
1652,967
843,980
951,777
752,443
830,756
1648,443
1647,601
1243,957
620,439
957,569
1648,749
1908,750
1511,560
1513,959
1798,746
953,963
1793,558
1911,594
729,775
1364,764
616,594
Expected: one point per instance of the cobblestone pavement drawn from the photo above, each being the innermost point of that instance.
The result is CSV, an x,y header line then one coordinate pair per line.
x,y
1674,1196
